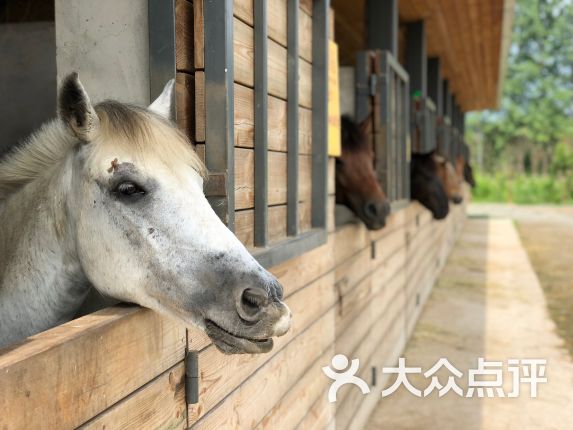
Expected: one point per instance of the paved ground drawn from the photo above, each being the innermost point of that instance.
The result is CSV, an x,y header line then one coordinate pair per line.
x,y
488,303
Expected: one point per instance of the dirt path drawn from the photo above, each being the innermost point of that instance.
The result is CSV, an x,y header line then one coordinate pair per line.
x,y
488,303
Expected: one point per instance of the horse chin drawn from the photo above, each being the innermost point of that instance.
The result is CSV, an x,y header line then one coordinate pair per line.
x,y
230,343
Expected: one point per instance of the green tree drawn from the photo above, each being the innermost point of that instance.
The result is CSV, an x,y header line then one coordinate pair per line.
x,y
537,103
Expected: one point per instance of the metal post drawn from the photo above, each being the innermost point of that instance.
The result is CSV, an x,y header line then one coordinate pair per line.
x,y
382,25
219,102
292,117
416,61
435,84
320,112
261,123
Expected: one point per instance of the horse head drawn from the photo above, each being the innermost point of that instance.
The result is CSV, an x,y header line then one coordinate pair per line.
x,y
426,186
145,232
357,185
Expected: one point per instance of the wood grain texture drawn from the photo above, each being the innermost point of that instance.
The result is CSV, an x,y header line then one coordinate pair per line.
x,y
466,35
199,34
277,178
200,119
184,36
185,95
159,405
63,377
257,395
222,374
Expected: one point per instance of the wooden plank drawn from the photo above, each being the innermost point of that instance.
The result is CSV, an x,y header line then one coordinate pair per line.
x,y
222,374
243,54
159,404
199,36
244,178
185,96
306,5
277,122
305,84
93,362
253,399
200,106
277,65
304,269
301,399
184,39
305,36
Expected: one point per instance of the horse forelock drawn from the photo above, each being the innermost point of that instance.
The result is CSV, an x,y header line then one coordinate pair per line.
x,y
353,139
130,128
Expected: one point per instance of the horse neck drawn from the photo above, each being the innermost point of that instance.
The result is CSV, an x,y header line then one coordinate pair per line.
x,y
41,281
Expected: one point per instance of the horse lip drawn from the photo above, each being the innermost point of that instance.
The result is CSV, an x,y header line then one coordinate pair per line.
x,y
230,343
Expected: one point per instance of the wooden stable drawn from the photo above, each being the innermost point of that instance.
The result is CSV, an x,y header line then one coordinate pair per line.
x,y
351,291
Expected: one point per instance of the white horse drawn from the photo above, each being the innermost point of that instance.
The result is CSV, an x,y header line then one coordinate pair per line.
x,y
111,196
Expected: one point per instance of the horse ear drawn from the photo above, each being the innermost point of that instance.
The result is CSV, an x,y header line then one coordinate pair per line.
x,y
76,110
164,105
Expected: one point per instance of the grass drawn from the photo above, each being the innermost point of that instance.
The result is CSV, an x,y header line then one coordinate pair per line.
x,y
553,263
523,189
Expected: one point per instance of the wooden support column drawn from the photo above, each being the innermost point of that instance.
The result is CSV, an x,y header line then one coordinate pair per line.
x,y
435,84
416,60
382,25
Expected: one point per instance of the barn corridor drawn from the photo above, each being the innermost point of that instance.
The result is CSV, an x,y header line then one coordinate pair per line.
x,y
487,303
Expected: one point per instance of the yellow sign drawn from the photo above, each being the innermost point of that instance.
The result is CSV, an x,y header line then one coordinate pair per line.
x,y
333,101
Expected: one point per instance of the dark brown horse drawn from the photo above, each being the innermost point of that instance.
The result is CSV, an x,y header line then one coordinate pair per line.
x,y
464,170
357,186
426,186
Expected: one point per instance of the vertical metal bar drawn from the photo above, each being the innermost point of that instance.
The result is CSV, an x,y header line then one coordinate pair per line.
x,y
162,66
362,99
261,123
292,117
382,25
320,27
435,84
219,109
407,142
383,154
416,60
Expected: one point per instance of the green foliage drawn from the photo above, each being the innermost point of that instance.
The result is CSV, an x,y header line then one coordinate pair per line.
x,y
523,189
537,103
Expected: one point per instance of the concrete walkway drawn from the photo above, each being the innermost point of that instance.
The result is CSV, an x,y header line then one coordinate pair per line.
x,y
488,303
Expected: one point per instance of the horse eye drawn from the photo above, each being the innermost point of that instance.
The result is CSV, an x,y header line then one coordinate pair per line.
x,y
129,189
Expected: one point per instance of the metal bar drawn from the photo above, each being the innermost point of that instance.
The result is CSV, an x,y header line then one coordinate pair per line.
x,y
382,25
363,96
162,66
219,100
383,154
261,123
408,141
292,117
320,27
416,60
291,247
435,84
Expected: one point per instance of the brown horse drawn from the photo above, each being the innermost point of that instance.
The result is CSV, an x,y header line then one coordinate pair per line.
x,y
451,182
357,186
464,170
426,186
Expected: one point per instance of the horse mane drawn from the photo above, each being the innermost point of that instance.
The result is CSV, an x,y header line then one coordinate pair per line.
x,y
353,138
122,126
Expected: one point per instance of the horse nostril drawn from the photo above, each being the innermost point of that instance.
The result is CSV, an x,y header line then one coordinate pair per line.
x,y
371,210
252,301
